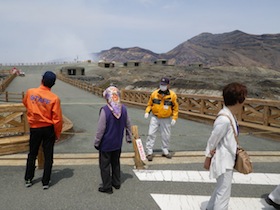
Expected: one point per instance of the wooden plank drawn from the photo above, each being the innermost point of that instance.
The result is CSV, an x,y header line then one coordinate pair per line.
x,y
14,139
12,108
10,119
139,164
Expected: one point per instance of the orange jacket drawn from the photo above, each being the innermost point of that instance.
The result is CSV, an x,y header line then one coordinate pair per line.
x,y
43,109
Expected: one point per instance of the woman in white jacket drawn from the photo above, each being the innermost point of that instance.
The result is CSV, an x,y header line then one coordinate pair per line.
x,y
221,146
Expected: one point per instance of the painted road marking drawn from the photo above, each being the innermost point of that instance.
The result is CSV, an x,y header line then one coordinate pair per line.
x,y
192,202
203,176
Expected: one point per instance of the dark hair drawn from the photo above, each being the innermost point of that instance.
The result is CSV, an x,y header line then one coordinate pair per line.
x,y
234,93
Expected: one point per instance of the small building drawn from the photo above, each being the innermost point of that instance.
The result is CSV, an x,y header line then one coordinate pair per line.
x,y
196,65
160,62
132,63
106,64
72,70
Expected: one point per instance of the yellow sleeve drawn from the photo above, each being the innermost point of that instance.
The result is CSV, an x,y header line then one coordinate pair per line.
x,y
175,108
150,103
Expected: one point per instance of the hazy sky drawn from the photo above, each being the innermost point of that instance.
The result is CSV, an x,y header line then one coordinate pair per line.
x,y
44,30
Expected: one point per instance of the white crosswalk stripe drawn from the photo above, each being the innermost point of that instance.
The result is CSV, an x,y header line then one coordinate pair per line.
x,y
195,202
190,202
203,176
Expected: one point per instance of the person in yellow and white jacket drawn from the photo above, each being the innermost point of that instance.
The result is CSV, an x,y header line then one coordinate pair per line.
x,y
164,108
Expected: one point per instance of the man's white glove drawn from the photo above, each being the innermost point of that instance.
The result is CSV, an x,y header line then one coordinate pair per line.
x,y
146,115
173,122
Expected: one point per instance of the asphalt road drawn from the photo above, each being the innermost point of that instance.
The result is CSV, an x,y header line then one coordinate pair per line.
x,y
82,108
75,186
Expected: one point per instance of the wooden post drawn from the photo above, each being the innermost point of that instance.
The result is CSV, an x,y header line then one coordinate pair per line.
x,y
40,158
139,164
7,96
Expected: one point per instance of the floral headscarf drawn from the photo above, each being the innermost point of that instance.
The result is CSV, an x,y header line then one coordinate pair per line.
x,y
112,95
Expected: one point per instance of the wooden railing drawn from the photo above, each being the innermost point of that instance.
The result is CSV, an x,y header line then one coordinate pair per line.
x,y
4,84
11,96
256,113
14,129
13,120
81,84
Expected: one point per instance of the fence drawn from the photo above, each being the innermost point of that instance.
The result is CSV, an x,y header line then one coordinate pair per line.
x,y
4,84
13,128
11,96
81,84
256,113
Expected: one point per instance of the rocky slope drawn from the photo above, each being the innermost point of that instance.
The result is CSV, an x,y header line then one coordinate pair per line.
x,y
235,48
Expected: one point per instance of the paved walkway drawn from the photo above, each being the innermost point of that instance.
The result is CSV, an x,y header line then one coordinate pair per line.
x,y
76,175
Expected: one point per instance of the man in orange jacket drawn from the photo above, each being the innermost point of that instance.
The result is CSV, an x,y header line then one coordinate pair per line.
x,y
45,120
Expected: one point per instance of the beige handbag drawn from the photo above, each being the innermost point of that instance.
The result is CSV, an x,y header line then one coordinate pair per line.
x,y
243,164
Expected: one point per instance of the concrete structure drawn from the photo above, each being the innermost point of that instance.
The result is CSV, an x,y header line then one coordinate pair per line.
x,y
106,64
132,63
72,70
195,65
160,62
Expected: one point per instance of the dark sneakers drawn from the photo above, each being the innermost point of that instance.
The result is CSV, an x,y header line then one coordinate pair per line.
x,y
150,157
45,187
117,186
28,183
167,155
272,203
108,191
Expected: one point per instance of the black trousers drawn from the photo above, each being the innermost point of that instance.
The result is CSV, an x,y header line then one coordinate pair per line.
x,y
46,136
109,163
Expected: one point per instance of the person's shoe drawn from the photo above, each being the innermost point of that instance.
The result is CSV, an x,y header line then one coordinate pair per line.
x,y
150,157
117,186
28,183
109,190
45,187
167,155
272,203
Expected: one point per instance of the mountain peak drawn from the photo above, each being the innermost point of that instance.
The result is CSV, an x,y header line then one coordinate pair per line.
x,y
234,48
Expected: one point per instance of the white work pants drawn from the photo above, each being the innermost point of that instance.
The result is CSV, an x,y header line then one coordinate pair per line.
x,y
164,125
275,195
220,197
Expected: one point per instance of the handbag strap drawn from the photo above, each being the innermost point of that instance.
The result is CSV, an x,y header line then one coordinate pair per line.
x,y
234,131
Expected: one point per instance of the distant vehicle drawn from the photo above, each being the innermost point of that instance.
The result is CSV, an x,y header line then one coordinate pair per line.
x,y
21,73
18,72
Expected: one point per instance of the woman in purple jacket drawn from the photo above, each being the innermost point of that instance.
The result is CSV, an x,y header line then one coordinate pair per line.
x,y
113,120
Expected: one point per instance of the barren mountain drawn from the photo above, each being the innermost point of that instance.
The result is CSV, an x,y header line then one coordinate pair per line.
x,y
253,60
228,49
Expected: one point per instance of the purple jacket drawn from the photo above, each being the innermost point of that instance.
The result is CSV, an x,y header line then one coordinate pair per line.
x,y
110,130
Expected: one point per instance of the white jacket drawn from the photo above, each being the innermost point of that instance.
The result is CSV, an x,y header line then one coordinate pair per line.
x,y
222,139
